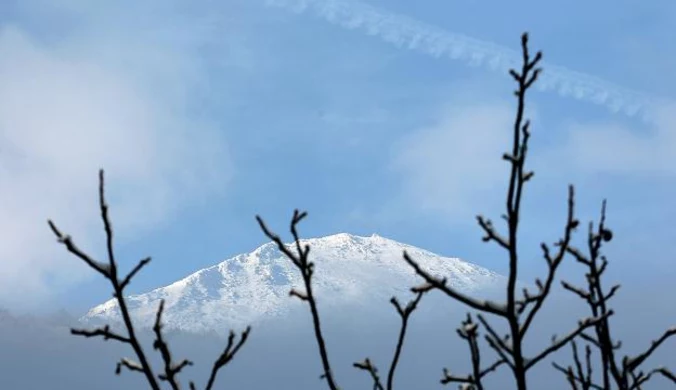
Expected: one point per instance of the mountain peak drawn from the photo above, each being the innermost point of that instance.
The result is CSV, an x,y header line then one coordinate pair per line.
x,y
254,286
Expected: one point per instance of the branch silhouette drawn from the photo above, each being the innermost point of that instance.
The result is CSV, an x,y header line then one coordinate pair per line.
x,y
404,313
470,332
510,348
306,268
109,271
624,374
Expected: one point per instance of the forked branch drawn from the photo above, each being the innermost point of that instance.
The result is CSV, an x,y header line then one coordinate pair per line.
x,y
306,268
109,270
404,314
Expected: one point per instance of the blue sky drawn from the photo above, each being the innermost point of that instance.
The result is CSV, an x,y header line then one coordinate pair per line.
x,y
206,113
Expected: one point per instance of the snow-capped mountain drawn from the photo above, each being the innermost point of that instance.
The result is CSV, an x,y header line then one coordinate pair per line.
x,y
245,289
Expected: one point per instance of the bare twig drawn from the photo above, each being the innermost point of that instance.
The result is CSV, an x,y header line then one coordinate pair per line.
x,y
558,343
228,354
552,262
440,284
510,349
170,369
469,332
626,375
367,366
581,376
632,363
404,313
306,268
109,271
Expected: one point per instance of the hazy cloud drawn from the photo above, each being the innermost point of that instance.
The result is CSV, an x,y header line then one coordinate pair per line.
x,y
619,148
65,111
453,166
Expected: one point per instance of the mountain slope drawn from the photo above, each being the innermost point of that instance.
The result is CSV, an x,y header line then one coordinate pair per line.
x,y
349,270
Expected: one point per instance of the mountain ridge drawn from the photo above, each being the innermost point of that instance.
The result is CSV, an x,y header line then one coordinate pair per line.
x,y
254,286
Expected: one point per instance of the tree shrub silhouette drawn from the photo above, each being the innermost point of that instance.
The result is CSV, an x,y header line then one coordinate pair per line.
x,y
518,312
110,272
627,373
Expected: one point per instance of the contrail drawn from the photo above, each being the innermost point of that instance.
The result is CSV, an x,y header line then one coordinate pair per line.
x,y
405,32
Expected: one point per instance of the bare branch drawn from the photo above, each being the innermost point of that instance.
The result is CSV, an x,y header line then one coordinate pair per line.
x,y
632,363
576,290
405,314
366,365
554,262
104,332
133,272
440,284
556,344
129,364
568,371
109,271
449,378
228,354
491,233
306,268
67,241
469,332
580,376
170,369
493,343
666,373
494,335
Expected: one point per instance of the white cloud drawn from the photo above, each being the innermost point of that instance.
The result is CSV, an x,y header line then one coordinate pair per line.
x,y
454,166
619,148
65,111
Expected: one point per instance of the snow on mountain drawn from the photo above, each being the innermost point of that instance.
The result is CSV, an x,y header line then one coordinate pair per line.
x,y
255,286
